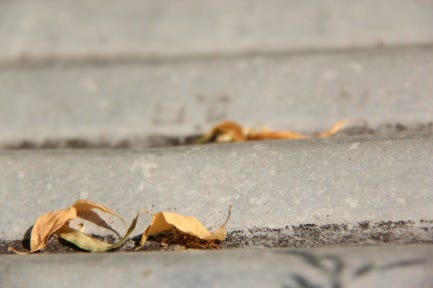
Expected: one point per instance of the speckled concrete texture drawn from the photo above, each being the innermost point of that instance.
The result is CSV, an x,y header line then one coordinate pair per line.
x,y
270,184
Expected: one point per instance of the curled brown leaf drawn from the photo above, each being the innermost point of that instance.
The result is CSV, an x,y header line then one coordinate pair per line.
x,y
50,223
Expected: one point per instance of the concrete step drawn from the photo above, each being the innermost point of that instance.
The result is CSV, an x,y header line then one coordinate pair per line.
x,y
83,30
135,104
408,266
349,191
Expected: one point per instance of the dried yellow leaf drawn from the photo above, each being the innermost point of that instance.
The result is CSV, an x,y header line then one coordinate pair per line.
x,y
88,243
229,131
49,223
165,221
45,226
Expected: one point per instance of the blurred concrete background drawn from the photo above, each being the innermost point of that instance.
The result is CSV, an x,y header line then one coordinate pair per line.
x,y
110,72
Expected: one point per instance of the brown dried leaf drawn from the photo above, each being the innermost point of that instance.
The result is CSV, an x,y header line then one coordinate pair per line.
x,y
45,226
230,131
51,222
165,221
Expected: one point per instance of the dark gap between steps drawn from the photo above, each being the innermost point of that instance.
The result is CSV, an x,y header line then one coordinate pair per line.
x,y
366,233
151,141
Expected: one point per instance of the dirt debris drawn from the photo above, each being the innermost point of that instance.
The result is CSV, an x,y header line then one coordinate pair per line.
x,y
365,233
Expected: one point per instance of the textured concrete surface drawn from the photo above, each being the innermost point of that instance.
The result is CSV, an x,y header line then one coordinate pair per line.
x,y
115,103
408,266
88,29
271,184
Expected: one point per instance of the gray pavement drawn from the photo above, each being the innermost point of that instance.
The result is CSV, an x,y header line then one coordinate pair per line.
x,y
272,185
133,103
407,266
88,29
